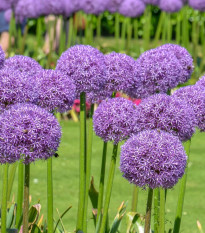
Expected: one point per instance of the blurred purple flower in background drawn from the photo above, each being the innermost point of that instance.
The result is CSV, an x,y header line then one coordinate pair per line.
x,y
152,2
28,132
153,159
113,5
94,7
132,8
197,4
171,5
2,58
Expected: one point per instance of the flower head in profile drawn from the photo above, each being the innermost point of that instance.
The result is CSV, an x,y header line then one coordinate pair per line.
x,y
197,4
167,113
114,119
153,159
28,132
132,8
85,65
171,5
56,91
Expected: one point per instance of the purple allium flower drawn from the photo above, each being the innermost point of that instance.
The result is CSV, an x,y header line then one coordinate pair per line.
x,y
184,58
114,119
8,15
23,64
2,58
28,132
132,8
97,97
70,6
4,5
94,7
120,72
113,5
152,2
16,87
85,65
201,83
153,158
156,70
195,97
170,5
56,91
164,112
197,4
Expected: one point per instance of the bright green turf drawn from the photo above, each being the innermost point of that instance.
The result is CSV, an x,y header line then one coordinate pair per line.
x,y
65,176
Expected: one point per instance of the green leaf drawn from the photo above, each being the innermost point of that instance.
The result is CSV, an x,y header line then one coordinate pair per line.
x,y
35,229
93,194
10,217
135,222
34,213
118,218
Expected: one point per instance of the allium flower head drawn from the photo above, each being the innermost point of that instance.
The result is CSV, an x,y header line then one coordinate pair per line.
x,y
197,4
70,6
120,72
23,64
153,159
114,119
152,2
85,65
195,97
201,83
2,57
164,112
132,8
8,15
170,5
56,91
184,58
94,7
28,132
156,70
113,5
16,87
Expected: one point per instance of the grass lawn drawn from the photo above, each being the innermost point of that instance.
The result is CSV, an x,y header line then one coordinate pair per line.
x,y
65,177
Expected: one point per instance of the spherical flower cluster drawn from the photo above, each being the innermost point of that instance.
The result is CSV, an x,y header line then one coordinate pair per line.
x,y
167,113
201,83
85,65
185,59
197,4
94,7
70,6
152,2
2,57
23,64
195,97
157,70
120,72
56,91
114,5
170,5
132,8
28,132
153,159
114,119
16,87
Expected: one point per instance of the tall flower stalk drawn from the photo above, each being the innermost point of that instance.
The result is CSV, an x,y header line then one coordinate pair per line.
x,y
4,198
148,211
26,198
50,195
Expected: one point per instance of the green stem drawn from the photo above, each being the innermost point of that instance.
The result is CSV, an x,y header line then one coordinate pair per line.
x,y
135,198
102,180
123,33
147,27
62,45
109,188
169,28
178,28
185,28
129,34
70,32
162,211
26,199
82,162
12,171
181,196
50,195
20,194
156,210
88,167
22,47
117,29
4,199
202,34
99,19
12,31
148,211
159,28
